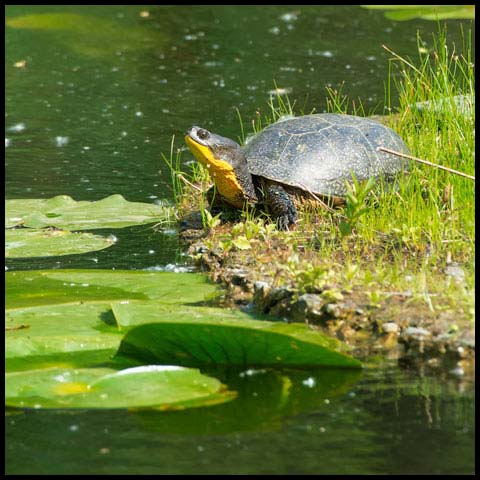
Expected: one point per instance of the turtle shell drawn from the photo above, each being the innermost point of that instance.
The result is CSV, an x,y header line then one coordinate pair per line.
x,y
319,152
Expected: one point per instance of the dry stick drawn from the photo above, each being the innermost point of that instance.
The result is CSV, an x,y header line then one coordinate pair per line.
x,y
315,197
183,179
441,167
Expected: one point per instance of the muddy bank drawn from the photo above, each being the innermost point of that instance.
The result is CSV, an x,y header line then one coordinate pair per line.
x,y
393,329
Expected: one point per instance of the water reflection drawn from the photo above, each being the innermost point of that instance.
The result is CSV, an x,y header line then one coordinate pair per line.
x,y
384,421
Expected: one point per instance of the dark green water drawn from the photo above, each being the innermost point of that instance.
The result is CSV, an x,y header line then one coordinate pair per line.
x,y
100,97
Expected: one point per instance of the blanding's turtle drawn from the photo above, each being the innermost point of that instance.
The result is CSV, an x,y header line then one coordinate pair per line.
x,y
290,160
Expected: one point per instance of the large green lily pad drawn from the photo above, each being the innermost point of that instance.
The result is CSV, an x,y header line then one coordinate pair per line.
x,y
65,213
161,386
29,242
226,342
47,287
54,317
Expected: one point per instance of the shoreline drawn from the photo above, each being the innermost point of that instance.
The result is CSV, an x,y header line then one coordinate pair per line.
x,y
396,330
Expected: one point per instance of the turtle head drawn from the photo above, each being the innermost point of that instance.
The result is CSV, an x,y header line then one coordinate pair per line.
x,y
226,164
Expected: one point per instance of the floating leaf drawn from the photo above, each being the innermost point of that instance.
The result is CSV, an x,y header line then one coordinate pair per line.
x,y
46,287
29,242
212,342
53,317
160,386
65,213
85,34
426,12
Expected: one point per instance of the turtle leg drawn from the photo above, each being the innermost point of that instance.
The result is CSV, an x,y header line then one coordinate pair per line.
x,y
281,204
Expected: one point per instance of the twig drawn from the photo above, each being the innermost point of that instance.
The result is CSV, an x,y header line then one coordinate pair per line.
x,y
183,179
441,167
315,197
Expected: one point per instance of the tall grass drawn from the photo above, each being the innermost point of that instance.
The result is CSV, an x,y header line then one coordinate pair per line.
x,y
430,214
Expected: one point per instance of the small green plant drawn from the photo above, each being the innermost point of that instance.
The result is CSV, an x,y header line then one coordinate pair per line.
x,y
355,206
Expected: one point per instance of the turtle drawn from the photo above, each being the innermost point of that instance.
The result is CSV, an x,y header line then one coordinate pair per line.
x,y
310,156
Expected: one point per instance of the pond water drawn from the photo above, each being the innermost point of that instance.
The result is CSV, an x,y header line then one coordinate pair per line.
x,y
93,97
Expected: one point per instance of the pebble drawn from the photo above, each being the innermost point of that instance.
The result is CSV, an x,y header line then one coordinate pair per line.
x,y
455,271
390,327
417,331
457,371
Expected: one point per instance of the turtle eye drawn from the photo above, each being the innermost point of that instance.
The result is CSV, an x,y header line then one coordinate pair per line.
x,y
202,134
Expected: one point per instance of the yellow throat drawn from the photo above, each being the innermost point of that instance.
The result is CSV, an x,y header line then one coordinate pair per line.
x,y
222,173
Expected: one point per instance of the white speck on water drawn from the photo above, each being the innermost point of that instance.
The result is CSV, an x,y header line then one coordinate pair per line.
x,y
124,302
104,396
289,17
8,142
371,58
73,428
151,252
322,429
124,134
280,91
326,54
85,284
37,406
200,448
112,238
274,30
6,268
251,371
309,382
219,83
348,67
61,141
86,147
327,401
19,127
138,114
95,260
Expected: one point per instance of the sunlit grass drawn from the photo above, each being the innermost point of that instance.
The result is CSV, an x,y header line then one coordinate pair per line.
x,y
395,239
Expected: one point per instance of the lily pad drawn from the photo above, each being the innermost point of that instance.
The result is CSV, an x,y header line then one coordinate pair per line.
x,y
47,287
425,12
232,343
86,33
54,317
65,213
160,386
28,242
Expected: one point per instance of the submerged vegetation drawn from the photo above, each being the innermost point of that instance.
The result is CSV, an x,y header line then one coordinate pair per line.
x,y
412,247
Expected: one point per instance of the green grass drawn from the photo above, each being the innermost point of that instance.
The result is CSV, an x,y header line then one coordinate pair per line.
x,y
389,241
